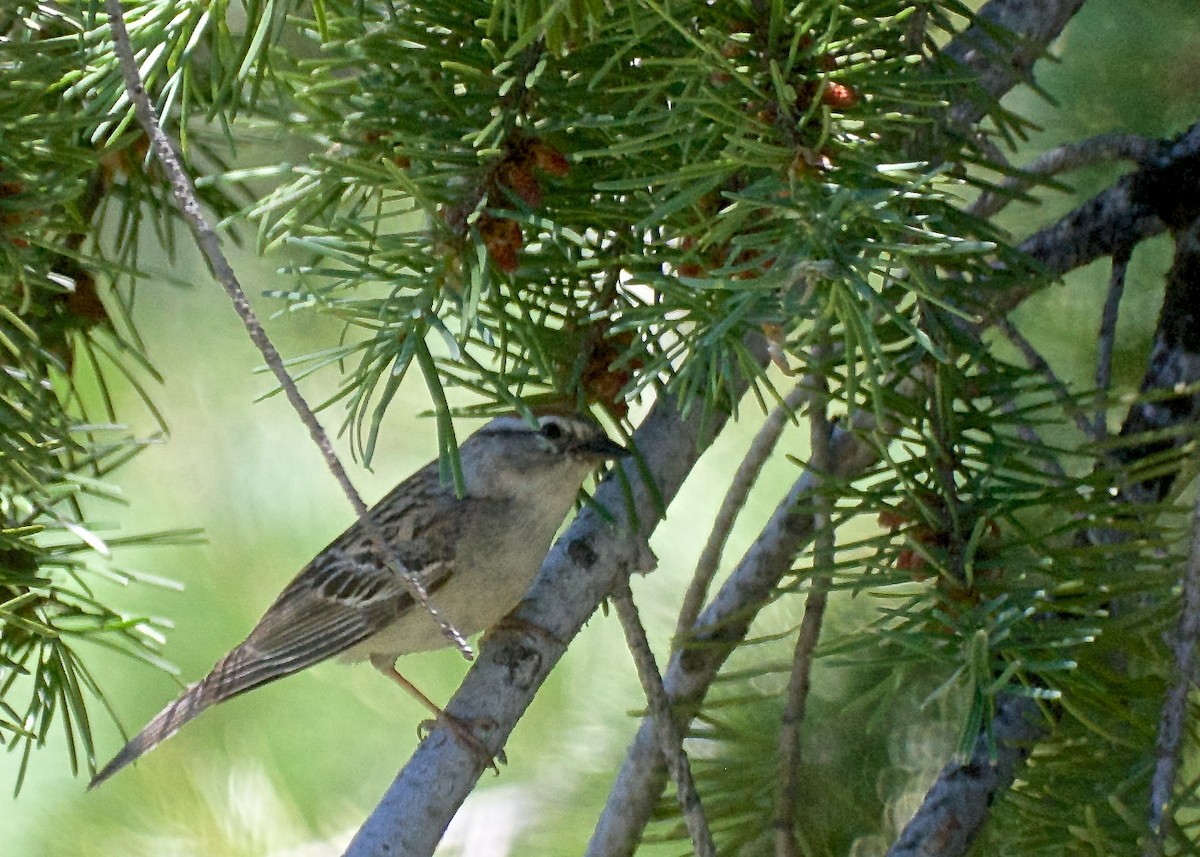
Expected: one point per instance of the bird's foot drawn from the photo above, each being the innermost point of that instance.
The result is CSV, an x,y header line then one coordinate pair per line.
x,y
463,731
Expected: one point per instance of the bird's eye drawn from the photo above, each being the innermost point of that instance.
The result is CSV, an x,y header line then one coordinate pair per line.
x,y
552,431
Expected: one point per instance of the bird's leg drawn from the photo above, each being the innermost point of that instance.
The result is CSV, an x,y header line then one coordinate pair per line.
x,y
387,666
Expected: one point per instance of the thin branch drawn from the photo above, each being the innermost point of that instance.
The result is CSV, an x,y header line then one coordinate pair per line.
x,y
716,634
1039,364
735,498
956,807
1136,207
1174,712
958,804
999,66
670,741
1071,156
1108,336
800,679
210,246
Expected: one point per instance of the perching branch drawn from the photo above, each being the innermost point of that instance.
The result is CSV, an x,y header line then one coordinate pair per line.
x,y
210,247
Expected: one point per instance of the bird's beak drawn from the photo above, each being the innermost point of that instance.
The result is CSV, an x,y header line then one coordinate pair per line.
x,y
603,449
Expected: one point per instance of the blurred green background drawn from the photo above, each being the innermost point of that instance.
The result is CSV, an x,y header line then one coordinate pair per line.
x,y
294,767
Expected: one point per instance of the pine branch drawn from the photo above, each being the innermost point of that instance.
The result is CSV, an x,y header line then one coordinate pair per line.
x,y
959,803
717,633
1027,28
641,778
1073,156
957,806
210,246
1134,208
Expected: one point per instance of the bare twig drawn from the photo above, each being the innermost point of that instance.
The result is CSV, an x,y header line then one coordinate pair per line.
x,y
717,632
210,247
670,741
1134,208
1072,156
1173,717
1039,364
1108,335
800,679
735,498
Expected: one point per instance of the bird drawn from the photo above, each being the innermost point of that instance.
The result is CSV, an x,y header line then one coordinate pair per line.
x,y
475,554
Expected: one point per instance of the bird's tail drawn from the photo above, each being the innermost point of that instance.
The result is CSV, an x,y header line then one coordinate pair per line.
x,y
228,678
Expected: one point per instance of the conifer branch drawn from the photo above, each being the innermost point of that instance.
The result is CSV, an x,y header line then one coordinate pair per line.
x,y
717,633
1084,231
1173,718
210,246
1134,208
997,63
957,805
1072,156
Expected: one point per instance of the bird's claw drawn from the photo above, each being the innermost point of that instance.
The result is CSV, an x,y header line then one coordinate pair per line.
x,y
461,729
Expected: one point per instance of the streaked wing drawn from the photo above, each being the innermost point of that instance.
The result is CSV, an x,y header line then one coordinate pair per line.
x,y
337,601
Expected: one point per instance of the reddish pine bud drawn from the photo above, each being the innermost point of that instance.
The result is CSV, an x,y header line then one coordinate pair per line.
x,y
549,159
503,239
839,96
520,180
